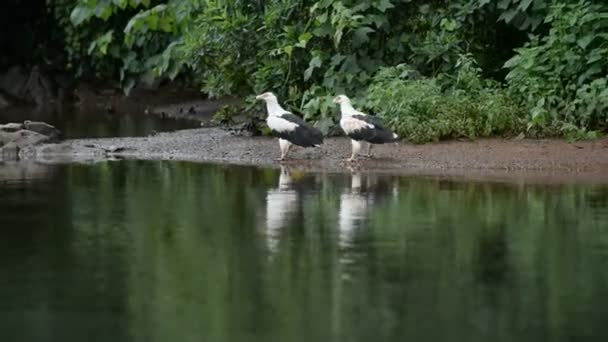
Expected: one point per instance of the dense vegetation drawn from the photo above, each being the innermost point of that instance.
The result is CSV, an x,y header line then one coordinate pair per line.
x,y
435,69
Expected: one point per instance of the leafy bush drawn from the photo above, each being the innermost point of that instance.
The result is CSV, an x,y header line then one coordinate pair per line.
x,y
562,76
308,50
125,40
432,109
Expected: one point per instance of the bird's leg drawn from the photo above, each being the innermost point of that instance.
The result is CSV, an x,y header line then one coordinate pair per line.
x,y
369,150
287,148
356,149
283,146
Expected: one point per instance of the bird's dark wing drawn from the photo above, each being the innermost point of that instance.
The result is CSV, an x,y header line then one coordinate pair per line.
x,y
303,135
376,121
379,134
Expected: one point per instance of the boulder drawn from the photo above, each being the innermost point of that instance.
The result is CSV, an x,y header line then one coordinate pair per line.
x,y
42,128
11,127
10,151
55,149
23,138
67,152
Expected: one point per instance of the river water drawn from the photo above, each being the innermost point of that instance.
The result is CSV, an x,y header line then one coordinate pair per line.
x,y
95,122
175,251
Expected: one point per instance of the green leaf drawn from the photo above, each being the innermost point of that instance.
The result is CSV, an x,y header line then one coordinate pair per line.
x,y
315,62
585,41
120,3
128,85
303,39
360,35
92,47
448,24
507,16
324,125
383,5
524,4
103,11
324,30
337,59
288,50
166,24
152,21
79,15
503,4
322,18
379,20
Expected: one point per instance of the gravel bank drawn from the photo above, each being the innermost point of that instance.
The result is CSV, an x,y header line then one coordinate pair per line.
x,y
548,160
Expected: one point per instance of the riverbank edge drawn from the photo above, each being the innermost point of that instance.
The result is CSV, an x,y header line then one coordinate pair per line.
x,y
546,160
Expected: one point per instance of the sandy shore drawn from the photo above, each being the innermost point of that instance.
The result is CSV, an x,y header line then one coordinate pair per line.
x,y
547,160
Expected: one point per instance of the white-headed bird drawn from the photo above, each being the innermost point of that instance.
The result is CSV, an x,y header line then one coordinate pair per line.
x,y
290,128
361,127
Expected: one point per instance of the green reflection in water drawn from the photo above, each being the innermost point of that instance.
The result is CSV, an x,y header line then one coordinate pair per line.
x,y
163,251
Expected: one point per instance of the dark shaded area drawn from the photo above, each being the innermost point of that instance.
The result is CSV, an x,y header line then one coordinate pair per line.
x,y
28,33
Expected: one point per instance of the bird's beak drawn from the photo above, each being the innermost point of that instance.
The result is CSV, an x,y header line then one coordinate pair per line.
x,y
259,97
336,100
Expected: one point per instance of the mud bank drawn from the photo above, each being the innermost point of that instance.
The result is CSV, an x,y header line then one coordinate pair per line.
x,y
547,160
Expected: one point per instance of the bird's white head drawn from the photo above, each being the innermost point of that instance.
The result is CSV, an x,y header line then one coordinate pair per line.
x,y
345,106
272,104
340,99
268,97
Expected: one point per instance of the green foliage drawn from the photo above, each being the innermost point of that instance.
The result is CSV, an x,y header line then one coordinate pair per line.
x,y
128,40
523,14
562,76
307,51
459,106
225,115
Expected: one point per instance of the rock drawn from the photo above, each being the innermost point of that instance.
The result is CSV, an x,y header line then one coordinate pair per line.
x,y
10,151
67,152
11,127
42,128
521,136
55,149
23,138
116,149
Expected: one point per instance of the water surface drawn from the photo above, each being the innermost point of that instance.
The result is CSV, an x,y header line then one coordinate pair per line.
x,y
94,121
168,251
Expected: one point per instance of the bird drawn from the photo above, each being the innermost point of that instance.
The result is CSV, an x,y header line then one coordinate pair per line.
x,y
362,127
290,129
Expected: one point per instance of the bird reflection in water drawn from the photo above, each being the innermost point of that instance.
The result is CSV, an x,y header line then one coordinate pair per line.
x,y
355,203
354,206
281,204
